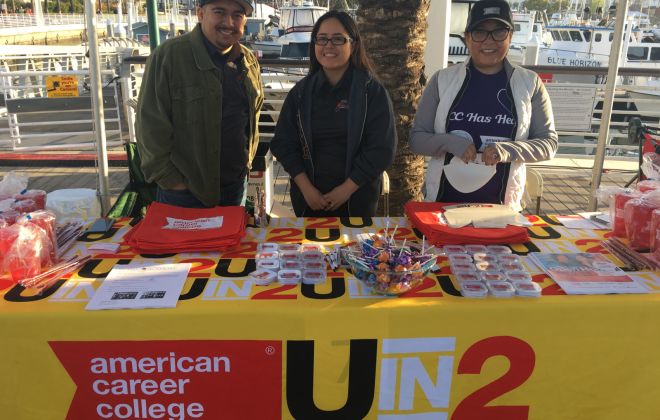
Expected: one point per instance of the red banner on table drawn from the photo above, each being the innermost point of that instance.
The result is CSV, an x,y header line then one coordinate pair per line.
x,y
173,379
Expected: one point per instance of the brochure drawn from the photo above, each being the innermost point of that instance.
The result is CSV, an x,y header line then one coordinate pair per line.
x,y
140,287
585,273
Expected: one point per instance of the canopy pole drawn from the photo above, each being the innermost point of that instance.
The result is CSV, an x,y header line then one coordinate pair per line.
x,y
152,23
97,104
604,131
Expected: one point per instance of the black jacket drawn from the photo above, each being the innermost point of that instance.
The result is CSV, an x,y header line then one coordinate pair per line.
x,y
371,139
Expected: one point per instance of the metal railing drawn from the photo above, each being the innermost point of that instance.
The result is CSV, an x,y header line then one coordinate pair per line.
x,y
280,75
21,20
38,122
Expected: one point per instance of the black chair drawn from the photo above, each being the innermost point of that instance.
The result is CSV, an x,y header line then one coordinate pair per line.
x,y
646,138
138,194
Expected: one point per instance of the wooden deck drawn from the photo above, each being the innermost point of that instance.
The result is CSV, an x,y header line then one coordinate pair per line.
x,y
566,190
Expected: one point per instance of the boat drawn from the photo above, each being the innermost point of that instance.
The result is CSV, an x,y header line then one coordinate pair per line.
x,y
298,19
526,30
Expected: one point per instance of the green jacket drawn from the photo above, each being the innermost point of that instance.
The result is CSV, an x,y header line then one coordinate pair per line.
x,y
179,115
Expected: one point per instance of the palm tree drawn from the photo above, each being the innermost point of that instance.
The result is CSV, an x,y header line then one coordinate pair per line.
x,y
394,34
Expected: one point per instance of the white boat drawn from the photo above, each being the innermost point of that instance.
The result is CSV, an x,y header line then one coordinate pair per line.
x,y
292,37
298,19
526,30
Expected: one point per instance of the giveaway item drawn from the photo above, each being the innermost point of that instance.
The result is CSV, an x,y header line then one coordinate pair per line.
x,y
616,210
500,288
387,267
586,273
648,185
46,221
474,289
468,177
654,239
168,228
25,250
9,216
289,276
528,289
263,277
74,203
637,218
314,276
38,196
428,218
482,216
631,258
13,183
24,206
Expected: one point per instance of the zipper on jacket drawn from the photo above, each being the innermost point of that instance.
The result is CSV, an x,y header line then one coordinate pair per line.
x,y
305,144
306,151
364,122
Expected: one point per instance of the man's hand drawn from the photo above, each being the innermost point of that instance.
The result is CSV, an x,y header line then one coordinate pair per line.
x,y
179,187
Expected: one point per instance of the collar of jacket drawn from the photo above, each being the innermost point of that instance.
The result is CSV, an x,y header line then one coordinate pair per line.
x,y
508,67
202,58
357,114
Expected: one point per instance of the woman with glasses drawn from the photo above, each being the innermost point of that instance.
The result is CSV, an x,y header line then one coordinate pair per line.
x,y
481,120
335,134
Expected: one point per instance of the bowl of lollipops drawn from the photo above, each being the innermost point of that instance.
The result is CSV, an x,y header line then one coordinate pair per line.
x,y
387,267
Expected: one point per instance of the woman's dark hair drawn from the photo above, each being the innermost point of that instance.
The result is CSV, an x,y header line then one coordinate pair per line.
x,y
359,58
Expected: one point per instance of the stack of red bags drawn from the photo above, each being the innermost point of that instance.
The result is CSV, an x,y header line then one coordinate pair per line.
x,y
424,216
167,229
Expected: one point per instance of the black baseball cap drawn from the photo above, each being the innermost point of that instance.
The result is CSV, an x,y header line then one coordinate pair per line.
x,y
489,10
247,5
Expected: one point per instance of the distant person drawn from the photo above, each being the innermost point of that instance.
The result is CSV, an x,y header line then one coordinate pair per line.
x,y
335,134
485,110
198,110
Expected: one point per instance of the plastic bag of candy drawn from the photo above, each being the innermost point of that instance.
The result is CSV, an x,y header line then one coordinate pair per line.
x,y
13,183
26,250
617,202
637,217
655,235
648,185
37,196
651,165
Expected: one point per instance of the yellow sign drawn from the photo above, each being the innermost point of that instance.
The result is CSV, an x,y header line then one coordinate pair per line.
x,y
61,86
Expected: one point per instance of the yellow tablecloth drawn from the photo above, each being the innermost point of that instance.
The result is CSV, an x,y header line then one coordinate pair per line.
x,y
234,350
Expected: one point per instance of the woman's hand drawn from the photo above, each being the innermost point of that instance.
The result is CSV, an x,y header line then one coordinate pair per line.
x,y
314,199
490,155
469,154
340,194
312,195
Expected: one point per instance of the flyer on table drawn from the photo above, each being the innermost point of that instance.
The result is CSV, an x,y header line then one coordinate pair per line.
x,y
141,287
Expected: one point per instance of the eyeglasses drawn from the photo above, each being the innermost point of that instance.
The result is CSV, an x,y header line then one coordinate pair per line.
x,y
480,35
335,40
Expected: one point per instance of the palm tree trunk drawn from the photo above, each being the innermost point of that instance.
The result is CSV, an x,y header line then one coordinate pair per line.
x,y
394,34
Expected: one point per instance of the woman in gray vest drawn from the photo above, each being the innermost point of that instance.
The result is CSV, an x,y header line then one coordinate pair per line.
x,y
481,120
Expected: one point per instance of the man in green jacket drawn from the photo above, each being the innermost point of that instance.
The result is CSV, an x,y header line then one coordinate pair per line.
x,y
198,110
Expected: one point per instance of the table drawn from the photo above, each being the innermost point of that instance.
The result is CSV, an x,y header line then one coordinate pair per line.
x,y
234,350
